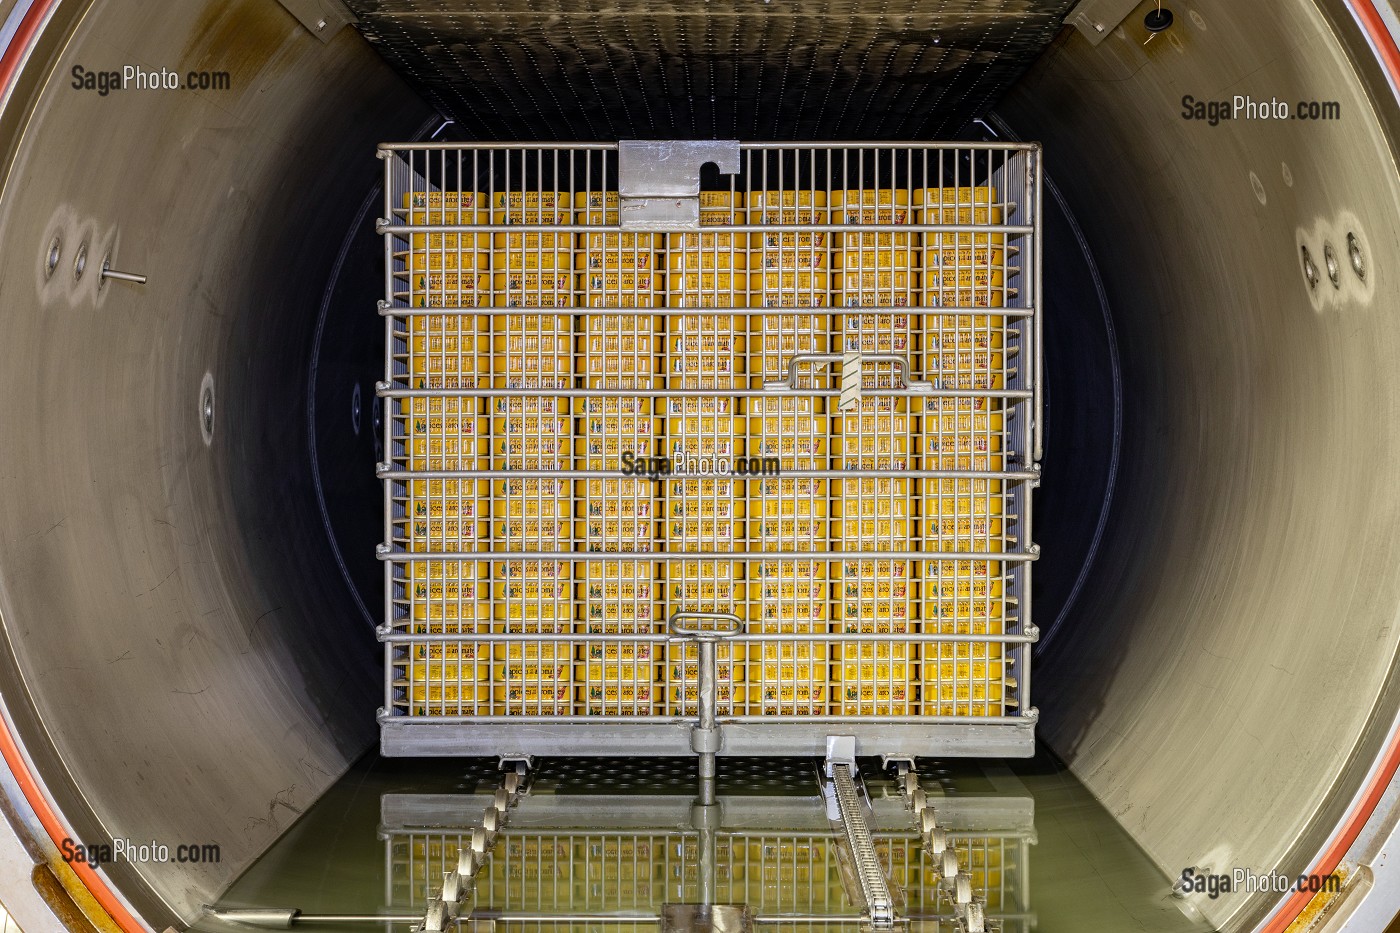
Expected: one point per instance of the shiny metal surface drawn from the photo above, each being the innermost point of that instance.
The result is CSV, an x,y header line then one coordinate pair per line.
x,y
1065,863
1216,684
171,647
175,668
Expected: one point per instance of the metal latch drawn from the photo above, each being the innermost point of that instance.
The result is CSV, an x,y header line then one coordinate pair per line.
x,y
658,181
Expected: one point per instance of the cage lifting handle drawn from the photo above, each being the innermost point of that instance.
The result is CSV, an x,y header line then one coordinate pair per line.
x,y
704,735
789,380
674,626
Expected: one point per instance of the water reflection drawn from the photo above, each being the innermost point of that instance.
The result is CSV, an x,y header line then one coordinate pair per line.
x,y
598,857
620,835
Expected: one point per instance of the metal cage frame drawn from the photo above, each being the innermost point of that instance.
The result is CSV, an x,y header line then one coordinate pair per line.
x,y
880,581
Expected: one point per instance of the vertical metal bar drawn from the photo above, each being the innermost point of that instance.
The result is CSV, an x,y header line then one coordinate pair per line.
x,y
386,420
707,718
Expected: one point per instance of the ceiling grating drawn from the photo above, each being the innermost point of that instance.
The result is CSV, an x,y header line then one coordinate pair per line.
x,y
727,69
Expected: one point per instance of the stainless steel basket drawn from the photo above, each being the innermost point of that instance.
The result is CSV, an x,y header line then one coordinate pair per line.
x,y
677,429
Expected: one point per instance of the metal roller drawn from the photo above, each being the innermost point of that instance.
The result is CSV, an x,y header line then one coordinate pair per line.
x,y
949,868
451,887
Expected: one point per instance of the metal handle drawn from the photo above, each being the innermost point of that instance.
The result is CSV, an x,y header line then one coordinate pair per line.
x,y
674,626
901,365
109,273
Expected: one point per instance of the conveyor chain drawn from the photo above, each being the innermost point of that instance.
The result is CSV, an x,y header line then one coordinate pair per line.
x,y
446,909
969,910
875,888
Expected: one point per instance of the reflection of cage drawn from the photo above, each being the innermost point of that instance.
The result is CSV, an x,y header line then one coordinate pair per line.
x,y
779,857
861,320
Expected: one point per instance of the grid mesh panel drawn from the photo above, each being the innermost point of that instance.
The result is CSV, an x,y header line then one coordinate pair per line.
x,y
774,873
816,413
739,69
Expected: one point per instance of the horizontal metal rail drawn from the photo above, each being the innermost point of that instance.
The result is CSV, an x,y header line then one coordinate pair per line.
x,y
1030,636
387,309
989,229
385,553
744,146
778,722
1012,475
385,391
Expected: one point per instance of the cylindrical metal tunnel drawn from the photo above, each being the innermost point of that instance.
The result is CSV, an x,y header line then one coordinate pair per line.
x,y
189,508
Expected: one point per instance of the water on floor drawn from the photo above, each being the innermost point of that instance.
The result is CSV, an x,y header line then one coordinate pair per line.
x,y
605,840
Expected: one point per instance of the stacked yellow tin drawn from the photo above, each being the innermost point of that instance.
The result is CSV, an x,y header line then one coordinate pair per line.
x,y
712,252
965,268
963,597
532,269
703,585
619,596
446,515
965,351
788,250
621,351
534,350
707,270
533,596
615,269
620,433
444,270
877,596
789,271
446,598
703,513
447,352
788,514
704,507
876,269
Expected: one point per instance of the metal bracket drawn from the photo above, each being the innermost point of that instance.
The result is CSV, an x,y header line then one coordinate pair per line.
x,y
520,764
658,181
322,18
1095,19
840,750
902,764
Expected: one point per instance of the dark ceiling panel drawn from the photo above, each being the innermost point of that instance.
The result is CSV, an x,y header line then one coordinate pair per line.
x,y
610,69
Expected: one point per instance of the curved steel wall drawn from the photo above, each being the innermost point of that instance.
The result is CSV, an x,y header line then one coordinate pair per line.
x,y
185,652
